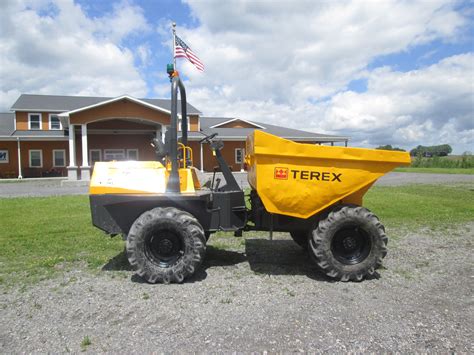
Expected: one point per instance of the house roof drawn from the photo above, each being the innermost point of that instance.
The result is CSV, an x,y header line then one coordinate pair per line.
x,y
57,103
7,124
208,125
219,124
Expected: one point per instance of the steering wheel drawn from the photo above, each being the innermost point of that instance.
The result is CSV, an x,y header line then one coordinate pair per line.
x,y
208,138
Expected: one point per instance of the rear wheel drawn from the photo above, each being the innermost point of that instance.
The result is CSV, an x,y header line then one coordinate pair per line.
x,y
301,238
349,243
166,245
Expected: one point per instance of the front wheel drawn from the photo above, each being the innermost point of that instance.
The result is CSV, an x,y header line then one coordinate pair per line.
x,y
166,245
349,243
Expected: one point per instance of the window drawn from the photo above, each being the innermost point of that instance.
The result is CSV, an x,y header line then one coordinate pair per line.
x,y
114,154
179,124
239,155
34,121
4,156
95,155
59,158
54,122
132,154
36,158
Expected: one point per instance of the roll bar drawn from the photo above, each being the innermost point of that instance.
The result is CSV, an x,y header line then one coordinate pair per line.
x,y
173,181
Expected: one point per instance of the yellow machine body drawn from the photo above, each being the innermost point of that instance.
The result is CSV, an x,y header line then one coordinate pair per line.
x,y
299,180
138,177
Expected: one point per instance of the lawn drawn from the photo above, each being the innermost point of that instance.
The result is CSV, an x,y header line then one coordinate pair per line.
x,y
41,237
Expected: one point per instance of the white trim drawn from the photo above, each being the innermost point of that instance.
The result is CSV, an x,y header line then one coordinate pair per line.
x,y
238,119
14,121
138,101
19,158
85,160
199,124
33,139
7,156
40,121
38,109
54,158
121,131
128,119
29,157
133,150
90,155
202,157
49,120
72,146
243,138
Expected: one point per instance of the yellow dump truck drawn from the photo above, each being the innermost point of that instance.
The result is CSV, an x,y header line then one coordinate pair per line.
x,y
313,192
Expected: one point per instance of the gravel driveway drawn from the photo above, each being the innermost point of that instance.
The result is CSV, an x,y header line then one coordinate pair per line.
x,y
53,187
261,296
258,295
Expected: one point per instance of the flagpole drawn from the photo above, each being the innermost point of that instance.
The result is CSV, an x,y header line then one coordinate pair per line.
x,y
174,44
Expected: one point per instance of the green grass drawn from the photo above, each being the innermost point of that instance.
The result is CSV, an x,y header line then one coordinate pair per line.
x,y
42,237
85,343
418,206
469,171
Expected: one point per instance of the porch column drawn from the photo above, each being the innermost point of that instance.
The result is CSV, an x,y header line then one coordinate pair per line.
x,y
160,134
85,168
202,158
19,158
163,132
72,168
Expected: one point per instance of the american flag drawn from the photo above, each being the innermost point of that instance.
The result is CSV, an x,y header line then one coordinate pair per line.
x,y
181,50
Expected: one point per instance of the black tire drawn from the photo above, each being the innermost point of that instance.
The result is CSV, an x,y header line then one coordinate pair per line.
x,y
166,245
301,238
349,243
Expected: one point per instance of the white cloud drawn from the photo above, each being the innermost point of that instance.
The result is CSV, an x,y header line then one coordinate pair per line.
x,y
279,62
290,64
54,48
433,105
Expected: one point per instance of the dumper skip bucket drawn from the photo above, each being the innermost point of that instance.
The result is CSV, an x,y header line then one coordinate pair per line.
x,y
300,180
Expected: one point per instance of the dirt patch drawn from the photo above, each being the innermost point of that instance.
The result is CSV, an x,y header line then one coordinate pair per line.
x,y
260,295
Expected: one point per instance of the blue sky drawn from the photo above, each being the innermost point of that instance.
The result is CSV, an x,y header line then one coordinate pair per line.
x,y
389,72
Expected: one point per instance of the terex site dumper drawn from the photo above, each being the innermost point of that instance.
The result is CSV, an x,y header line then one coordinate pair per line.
x,y
313,192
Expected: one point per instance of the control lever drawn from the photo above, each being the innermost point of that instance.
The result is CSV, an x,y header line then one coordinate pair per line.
x,y
218,181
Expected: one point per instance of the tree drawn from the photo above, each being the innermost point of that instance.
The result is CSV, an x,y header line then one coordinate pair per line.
x,y
389,147
432,151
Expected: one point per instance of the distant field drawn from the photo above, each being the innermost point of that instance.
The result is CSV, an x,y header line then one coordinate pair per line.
x,y
43,236
448,162
469,171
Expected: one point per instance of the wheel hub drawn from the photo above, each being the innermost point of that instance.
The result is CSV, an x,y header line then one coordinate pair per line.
x,y
351,245
165,246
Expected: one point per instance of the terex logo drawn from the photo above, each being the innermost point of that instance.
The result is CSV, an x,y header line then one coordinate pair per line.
x,y
281,173
316,175
284,173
